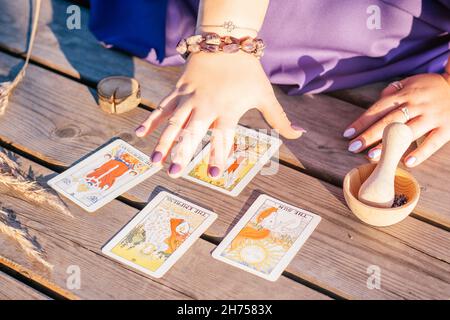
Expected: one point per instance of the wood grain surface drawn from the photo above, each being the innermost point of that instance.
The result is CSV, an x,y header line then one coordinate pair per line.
x,y
58,127
77,242
61,132
322,152
12,289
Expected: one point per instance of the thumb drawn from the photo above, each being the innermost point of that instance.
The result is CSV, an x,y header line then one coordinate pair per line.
x,y
278,120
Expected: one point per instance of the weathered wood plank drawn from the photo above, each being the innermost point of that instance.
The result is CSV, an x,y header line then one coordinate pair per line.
x,y
321,152
61,129
100,277
12,289
77,242
363,96
66,50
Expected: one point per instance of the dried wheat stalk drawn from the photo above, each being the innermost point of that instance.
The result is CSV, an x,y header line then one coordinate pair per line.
x,y
19,183
21,236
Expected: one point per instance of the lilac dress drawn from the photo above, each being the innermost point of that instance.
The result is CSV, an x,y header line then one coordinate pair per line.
x,y
312,45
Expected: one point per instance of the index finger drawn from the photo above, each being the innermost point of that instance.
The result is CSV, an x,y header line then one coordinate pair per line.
x,y
377,111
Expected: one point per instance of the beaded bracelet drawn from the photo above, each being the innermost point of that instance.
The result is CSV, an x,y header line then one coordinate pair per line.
x,y
212,42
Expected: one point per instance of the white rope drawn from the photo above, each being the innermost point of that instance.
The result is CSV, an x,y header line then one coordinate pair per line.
x,y
7,87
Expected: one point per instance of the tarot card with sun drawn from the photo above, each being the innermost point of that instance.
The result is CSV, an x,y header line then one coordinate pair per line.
x,y
160,234
267,237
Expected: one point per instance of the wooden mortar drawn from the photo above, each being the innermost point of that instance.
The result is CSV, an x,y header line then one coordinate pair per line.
x,y
404,183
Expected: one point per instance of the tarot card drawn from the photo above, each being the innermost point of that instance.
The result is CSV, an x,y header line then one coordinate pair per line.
x,y
251,151
267,237
160,234
103,176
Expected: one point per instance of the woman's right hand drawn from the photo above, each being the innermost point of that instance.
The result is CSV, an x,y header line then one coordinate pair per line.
x,y
214,91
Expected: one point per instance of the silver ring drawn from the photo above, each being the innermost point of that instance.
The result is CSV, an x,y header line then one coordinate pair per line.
x,y
406,113
397,85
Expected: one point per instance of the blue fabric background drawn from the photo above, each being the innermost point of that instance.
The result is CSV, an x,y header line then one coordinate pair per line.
x,y
135,26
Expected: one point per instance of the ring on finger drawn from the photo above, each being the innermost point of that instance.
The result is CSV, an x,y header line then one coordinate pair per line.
x,y
397,85
405,113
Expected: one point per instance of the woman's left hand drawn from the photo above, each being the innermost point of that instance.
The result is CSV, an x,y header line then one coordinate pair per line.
x,y
421,101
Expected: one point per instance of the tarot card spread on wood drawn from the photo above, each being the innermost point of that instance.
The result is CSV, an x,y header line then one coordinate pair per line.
x,y
267,237
103,176
251,151
160,234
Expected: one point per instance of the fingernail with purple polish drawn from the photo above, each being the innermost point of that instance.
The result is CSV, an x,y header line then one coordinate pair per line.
x,y
374,153
174,168
156,156
349,133
213,171
355,146
140,130
410,161
298,128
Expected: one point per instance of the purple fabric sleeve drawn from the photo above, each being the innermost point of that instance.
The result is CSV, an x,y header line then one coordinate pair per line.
x,y
316,46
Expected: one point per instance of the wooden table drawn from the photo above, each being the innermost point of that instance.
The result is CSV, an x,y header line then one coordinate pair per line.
x,y
53,120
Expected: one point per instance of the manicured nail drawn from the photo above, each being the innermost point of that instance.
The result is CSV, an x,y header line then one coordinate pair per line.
x,y
349,132
298,128
355,146
410,161
156,156
213,171
174,168
374,153
140,130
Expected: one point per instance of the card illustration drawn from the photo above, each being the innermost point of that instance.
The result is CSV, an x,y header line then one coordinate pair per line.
x,y
267,237
160,234
250,151
102,176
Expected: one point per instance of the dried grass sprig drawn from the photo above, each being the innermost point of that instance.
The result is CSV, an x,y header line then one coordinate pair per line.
x,y
29,189
13,229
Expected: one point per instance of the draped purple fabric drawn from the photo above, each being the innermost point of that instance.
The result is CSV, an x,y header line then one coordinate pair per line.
x,y
323,45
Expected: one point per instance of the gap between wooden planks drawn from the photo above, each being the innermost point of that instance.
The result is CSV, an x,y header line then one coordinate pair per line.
x,y
60,129
12,289
321,152
78,241
67,134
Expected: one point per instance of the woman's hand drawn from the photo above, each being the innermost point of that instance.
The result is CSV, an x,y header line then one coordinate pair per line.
x,y
427,99
214,91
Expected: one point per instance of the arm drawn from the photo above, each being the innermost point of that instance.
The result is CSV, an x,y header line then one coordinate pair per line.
x,y
248,14
214,91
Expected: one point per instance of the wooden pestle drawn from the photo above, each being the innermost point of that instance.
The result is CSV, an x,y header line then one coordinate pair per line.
x,y
378,189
